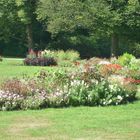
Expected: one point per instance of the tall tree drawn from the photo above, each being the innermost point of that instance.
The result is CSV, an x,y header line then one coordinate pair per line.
x,y
26,10
126,21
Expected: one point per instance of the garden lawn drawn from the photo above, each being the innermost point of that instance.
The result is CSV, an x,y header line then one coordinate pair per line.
x,y
79,123
11,67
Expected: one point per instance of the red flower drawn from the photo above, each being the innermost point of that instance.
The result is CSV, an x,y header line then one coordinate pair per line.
x,y
131,80
114,66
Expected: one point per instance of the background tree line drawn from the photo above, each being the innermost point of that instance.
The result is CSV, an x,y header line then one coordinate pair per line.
x,y
93,27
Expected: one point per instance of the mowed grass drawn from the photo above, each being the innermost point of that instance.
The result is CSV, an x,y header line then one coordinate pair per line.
x,y
11,67
79,123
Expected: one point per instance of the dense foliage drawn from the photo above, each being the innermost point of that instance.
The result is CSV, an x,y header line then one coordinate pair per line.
x,y
92,27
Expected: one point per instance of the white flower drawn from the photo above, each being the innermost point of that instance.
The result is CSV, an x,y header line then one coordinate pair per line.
x,y
110,101
127,95
119,97
104,103
104,63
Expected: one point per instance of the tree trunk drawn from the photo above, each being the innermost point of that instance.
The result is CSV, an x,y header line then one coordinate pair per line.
x,y
114,45
30,41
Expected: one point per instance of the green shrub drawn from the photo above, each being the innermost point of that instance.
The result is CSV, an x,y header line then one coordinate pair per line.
x,y
61,55
125,59
70,55
77,93
99,93
134,64
107,93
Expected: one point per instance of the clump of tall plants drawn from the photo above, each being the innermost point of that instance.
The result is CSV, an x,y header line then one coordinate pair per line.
x,y
87,86
40,59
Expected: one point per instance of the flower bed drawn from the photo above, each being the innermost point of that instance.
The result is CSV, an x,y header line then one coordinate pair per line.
x,y
94,82
85,86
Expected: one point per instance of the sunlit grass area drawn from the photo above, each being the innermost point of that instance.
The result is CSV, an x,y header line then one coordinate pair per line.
x,y
11,67
79,123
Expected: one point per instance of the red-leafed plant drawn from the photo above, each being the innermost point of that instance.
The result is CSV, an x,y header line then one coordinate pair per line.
x,y
109,69
131,80
113,66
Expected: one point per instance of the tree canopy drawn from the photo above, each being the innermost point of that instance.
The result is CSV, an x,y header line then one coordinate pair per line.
x,y
31,22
